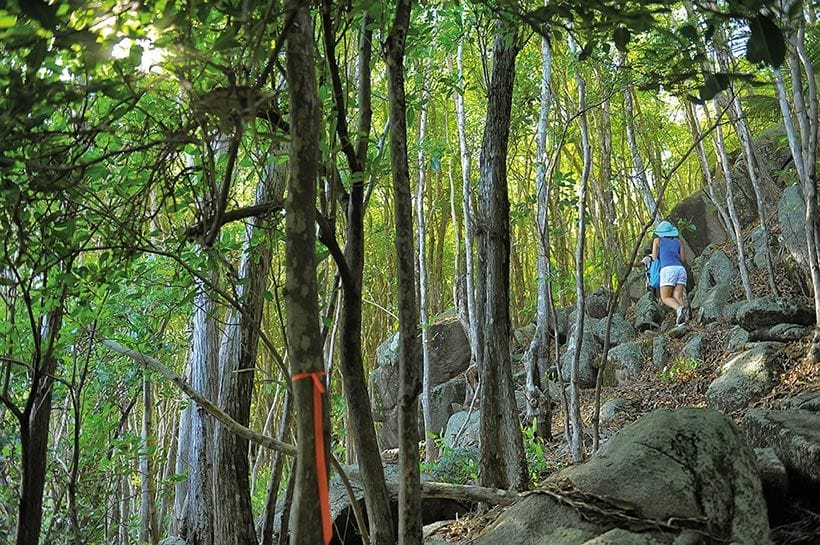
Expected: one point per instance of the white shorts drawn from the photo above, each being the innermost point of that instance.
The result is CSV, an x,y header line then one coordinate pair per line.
x,y
673,275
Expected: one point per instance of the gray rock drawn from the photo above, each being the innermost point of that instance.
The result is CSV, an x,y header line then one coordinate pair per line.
x,y
648,314
694,347
780,333
670,465
589,354
807,401
597,302
449,356
795,437
773,478
619,536
738,337
717,270
769,311
470,436
757,259
714,305
620,332
660,352
611,408
627,362
696,210
791,216
744,378
442,399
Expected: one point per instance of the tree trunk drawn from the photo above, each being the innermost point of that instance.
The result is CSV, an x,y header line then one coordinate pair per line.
x,y
410,528
697,137
311,522
421,228
203,362
360,416
577,435
232,494
149,533
266,533
536,359
639,180
502,463
467,208
34,424
737,232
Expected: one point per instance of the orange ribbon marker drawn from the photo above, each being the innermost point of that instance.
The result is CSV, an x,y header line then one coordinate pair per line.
x,y
321,463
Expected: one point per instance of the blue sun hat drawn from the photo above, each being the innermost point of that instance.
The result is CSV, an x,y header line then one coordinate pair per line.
x,y
665,229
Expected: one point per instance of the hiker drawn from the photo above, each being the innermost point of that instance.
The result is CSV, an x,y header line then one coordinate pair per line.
x,y
667,248
646,262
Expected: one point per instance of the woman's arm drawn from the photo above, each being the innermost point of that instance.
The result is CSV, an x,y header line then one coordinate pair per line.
x,y
655,247
681,255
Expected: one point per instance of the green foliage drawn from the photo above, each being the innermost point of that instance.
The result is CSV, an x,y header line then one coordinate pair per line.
x,y
680,369
456,465
537,463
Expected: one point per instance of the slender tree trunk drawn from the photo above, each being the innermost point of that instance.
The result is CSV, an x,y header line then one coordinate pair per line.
x,y
467,207
638,175
754,169
697,136
34,424
421,228
410,528
502,463
232,493
311,523
360,416
576,441
149,532
809,127
181,466
536,359
266,537
203,361
730,204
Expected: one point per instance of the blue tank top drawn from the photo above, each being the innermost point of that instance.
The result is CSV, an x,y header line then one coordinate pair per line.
x,y
669,252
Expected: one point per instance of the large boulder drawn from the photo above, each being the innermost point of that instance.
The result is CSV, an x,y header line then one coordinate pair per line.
x,y
627,361
717,270
449,357
589,354
682,473
698,212
648,313
744,378
791,216
769,311
621,331
794,435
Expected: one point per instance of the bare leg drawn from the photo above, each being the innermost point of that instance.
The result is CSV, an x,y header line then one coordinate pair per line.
x,y
679,296
668,298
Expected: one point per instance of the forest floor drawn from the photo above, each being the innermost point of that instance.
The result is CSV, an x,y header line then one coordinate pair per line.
x,y
681,386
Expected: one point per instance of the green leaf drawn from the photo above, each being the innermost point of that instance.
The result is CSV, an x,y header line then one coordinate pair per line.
x,y
42,12
226,40
621,38
587,51
689,32
766,44
7,21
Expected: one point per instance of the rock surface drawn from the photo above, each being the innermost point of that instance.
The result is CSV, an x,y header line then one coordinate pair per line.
x,y
688,464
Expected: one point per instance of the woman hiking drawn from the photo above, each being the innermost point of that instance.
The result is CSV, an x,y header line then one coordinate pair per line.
x,y
668,249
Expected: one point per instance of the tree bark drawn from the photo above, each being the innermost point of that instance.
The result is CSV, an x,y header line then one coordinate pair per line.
x,y
203,362
362,429
34,425
149,532
577,435
311,516
410,528
421,230
502,462
536,359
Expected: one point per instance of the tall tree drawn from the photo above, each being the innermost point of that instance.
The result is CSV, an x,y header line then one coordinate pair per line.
x,y
502,463
537,356
362,429
410,529
311,523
